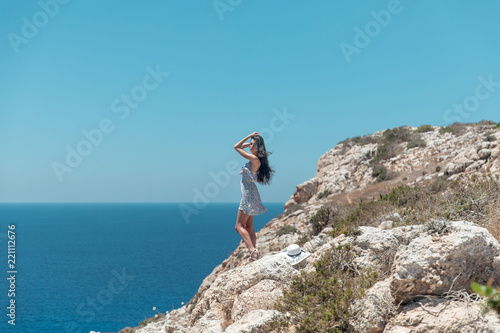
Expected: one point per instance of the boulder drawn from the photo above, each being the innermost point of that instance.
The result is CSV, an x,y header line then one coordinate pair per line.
x,y
245,285
434,314
374,310
303,193
255,321
484,154
377,247
450,255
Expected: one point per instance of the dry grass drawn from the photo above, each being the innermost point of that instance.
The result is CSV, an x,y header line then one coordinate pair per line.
x,y
474,198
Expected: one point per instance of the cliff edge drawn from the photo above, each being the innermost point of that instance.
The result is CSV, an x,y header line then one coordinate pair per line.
x,y
417,208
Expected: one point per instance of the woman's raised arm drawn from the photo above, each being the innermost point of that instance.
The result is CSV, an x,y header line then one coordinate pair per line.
x,y
240,145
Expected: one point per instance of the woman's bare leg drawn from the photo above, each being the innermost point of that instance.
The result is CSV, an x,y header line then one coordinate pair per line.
x,y
241,223
251,231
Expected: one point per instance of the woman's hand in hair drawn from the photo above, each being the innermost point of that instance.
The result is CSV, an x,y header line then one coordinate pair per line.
x,y
254,134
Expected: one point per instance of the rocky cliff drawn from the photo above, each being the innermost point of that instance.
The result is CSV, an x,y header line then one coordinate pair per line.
x,y
424,252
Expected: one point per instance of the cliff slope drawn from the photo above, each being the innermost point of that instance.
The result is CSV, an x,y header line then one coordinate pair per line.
x,y
425,252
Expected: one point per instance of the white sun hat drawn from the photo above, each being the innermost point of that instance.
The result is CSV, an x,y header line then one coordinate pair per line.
x,y
295,255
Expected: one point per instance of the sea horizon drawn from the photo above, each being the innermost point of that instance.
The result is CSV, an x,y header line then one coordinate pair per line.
x,y
104,266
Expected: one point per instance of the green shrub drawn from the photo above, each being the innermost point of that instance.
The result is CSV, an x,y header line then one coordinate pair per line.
x,y
386,151
390,144
492,295
287,229
149,320
424,128
397,134
439,185
404,195
320,301
381,173
456,129
323,217
416,142
324,194
358,141
487,122
303,239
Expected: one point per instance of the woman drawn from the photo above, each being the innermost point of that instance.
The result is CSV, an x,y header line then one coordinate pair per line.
x,y
257,169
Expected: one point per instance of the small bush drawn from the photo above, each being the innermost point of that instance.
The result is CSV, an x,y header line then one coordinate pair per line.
x,y
397,134
424,128
386,151
439,185
390,143
417,142
381,173
287,229
492,295
486,122
456,129
323,217
404,195
324,194
358,141
303,239
320,301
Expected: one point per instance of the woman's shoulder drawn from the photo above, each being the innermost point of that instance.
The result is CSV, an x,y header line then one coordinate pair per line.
x,y
255,164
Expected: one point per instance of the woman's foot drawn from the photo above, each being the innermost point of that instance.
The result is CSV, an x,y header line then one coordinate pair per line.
x,y
254,255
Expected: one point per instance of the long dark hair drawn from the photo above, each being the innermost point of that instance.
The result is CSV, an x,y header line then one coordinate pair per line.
x,y
265,172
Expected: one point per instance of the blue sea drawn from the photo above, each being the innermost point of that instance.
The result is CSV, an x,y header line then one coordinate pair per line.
x,y
103,267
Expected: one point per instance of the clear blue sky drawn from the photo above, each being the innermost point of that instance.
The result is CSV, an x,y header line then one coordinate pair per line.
x,y
340,68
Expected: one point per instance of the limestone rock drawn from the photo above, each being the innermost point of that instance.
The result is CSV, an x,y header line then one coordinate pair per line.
x,y
303,192
377,246
484,154
255,321
459,164
386,225
374,310
452,257
261,296
495,153
433,314
228,293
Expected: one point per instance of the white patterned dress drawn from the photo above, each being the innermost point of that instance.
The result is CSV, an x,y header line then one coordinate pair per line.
x,y
250,199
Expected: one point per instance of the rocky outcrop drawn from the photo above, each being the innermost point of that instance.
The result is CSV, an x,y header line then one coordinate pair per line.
x,y
346,168
303,192
448,256
435,314
255,286
426,269
436,261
